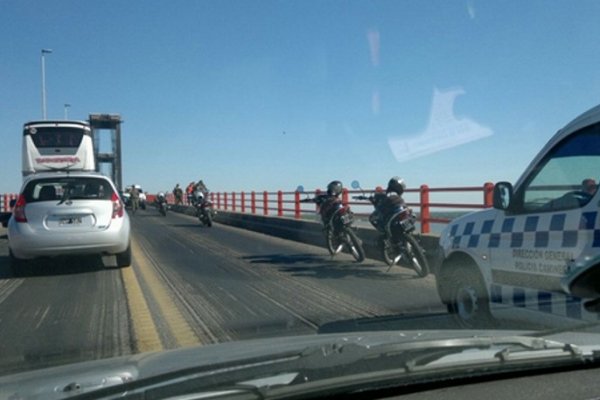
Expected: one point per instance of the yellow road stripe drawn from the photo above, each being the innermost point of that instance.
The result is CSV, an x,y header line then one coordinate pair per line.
x,y
183,334
144,331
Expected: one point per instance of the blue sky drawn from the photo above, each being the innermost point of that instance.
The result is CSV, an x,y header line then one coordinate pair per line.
x,y
267,95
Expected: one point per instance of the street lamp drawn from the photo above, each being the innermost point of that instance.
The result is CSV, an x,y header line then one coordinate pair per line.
x,y
44,51
67,111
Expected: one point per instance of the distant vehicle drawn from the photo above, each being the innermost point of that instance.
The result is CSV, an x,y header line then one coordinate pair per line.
x,y
57,146
60,214
521,255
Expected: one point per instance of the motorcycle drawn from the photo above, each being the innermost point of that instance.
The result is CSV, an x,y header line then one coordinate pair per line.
x,y
395,224
161,200
337,222
204,209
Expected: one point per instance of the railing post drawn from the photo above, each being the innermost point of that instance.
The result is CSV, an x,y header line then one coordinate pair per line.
x,y
243,202
265,203
279,203
488,194
253,202
297,205
345,196
219,200
317,193
425,211
233,201
225,201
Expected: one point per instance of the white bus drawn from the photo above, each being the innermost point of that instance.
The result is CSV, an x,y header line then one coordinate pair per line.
x,y
57,146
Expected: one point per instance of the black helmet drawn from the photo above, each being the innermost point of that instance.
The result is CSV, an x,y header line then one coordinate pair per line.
x,y
396,185
334,188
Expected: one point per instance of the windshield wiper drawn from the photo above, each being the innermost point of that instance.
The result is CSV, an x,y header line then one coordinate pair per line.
x,y
353,364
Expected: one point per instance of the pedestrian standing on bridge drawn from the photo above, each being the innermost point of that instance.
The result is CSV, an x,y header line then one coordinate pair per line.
x,y
189,191
178,193
135,198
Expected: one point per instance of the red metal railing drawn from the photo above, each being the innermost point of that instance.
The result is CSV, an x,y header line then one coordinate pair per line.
x,y
287,204
5,201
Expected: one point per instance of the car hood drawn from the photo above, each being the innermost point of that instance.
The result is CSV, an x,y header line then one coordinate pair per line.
x,y
76,379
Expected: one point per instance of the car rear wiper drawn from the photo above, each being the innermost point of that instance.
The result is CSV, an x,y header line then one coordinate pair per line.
x,y
66,196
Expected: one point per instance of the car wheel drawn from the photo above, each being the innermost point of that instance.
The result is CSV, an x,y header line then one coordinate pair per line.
x,y
18,267
469,300
124,258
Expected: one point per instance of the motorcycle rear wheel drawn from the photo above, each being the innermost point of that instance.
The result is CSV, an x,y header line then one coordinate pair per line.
x,y
334,245
390,252
208,219
355,246
416,255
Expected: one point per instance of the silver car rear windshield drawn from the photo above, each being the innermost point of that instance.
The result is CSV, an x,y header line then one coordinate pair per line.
x,y
68,188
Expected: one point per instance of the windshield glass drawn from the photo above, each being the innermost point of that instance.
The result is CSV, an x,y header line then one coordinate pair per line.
x,y
341,178
567,177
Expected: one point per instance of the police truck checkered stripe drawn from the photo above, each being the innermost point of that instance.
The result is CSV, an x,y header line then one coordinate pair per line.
x,y
485,234
575,228
542,301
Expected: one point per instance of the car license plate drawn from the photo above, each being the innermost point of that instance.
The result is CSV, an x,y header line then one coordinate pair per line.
x,y
70,221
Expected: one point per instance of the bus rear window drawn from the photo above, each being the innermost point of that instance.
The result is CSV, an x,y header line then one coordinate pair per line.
x,y
56,137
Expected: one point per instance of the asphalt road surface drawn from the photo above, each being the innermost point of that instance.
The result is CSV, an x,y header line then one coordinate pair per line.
x,y
191,285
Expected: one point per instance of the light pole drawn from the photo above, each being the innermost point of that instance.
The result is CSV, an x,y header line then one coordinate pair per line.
x,y
67,111
44,51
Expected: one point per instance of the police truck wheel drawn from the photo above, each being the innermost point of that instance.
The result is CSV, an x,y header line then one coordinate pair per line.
x,y
469,301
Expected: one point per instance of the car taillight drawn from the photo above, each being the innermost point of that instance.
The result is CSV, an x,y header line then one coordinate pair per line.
x,y
117,206
19,210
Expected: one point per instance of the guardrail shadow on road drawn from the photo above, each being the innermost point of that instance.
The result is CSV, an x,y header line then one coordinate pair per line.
x,y
324,267
312,233
308,232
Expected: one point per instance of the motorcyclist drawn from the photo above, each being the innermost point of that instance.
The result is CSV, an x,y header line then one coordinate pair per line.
x,y
386,204
161,200
327,200
201,187
198,197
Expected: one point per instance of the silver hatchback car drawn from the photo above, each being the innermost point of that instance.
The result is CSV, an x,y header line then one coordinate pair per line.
x,y
74,213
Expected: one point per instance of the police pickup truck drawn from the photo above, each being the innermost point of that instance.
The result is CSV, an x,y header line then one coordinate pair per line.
x,y
518,257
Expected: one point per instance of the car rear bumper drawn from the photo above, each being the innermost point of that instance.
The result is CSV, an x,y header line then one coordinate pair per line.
x,y
25,243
